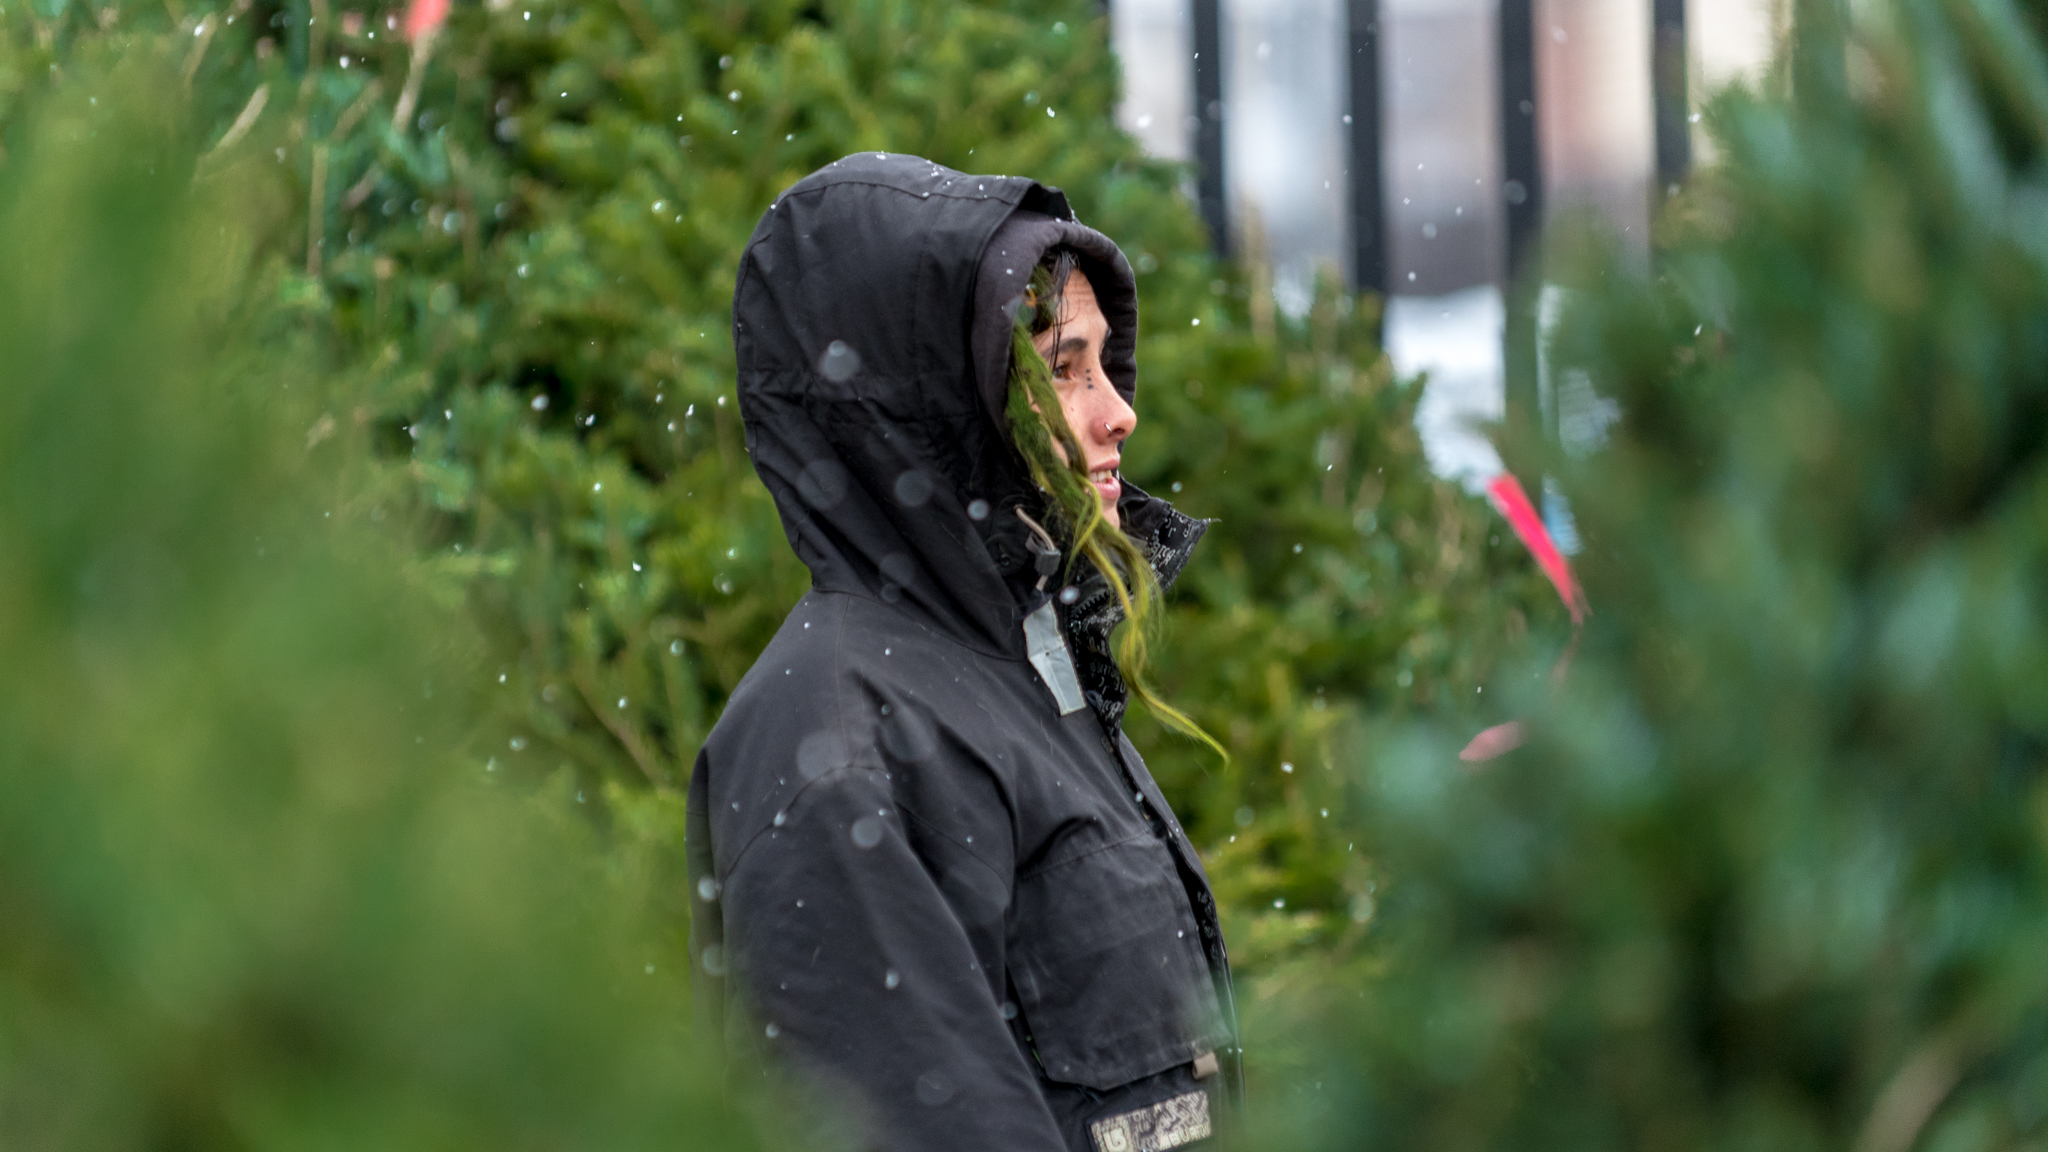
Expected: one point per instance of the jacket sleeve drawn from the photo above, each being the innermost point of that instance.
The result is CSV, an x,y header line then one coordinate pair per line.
x,y
866,945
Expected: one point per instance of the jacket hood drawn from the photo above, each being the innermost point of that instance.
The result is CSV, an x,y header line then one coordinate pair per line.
x,y
871,322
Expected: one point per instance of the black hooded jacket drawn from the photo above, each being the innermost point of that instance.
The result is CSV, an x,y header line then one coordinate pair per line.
x,y
960,906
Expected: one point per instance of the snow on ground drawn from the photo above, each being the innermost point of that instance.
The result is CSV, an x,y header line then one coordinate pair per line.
x,y
1456,340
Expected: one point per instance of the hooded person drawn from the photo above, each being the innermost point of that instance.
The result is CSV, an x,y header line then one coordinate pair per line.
x,y
931,874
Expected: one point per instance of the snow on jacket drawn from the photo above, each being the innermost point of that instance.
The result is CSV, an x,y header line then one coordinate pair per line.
x,y
969,917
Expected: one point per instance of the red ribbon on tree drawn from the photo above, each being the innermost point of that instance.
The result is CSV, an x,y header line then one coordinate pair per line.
x,y
424,18
1508,498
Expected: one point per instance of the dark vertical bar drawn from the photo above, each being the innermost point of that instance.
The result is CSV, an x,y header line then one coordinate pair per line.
x,y
1522,190
1667,68
1368,188
1209,121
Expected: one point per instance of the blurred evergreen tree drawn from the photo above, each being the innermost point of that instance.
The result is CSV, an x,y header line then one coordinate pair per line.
x,y
1773,872
254,892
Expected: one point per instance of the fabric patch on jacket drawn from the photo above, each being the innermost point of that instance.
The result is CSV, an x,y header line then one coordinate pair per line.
x,y
1048,653
1167,1124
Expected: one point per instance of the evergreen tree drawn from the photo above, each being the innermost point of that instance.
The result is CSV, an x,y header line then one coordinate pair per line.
x,y
255,891
520,229
1773,872
1341,583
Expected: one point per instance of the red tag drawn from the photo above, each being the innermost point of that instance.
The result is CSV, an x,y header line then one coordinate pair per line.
x,y
424,17
1498,740
1506,493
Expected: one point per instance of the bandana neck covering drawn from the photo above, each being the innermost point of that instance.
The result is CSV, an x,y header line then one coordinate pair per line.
x,y
1167,541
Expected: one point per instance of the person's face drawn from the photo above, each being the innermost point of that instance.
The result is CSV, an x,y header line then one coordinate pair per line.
x,y
1095,411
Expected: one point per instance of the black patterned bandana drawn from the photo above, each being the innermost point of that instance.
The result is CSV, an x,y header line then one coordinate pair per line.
x,y
1167,538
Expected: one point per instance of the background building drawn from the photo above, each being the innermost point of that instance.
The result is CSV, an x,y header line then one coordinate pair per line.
x,y
1289,151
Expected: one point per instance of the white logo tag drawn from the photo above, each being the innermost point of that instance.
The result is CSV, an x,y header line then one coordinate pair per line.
x,y
1167,1124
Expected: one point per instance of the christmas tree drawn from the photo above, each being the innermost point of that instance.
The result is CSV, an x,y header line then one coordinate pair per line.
x,y
519,227
1773,870
258,889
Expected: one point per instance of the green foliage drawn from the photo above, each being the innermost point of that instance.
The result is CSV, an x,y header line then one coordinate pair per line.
x,y
1340,582
1773,872
255,894
538,263
526,280
613,160
528,276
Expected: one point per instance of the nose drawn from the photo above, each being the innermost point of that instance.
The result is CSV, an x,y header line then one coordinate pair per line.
x,y
1122,419
1113,420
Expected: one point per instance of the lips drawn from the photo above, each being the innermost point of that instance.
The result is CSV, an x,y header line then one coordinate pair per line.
x,y
1107,483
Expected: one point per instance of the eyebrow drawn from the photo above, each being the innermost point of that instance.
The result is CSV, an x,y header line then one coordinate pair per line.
x,y
1072,345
